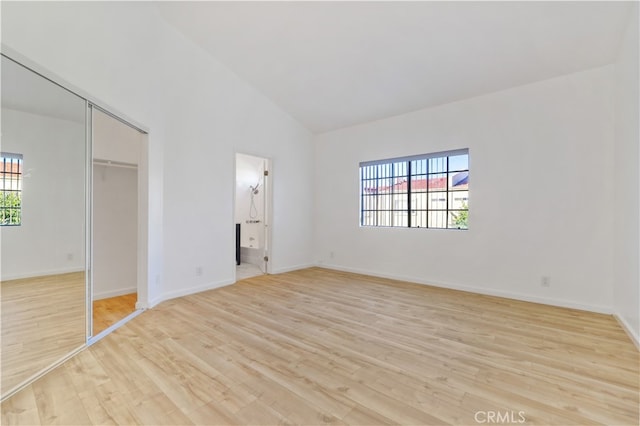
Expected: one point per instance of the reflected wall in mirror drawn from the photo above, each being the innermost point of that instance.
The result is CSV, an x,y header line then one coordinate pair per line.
x,y
43,232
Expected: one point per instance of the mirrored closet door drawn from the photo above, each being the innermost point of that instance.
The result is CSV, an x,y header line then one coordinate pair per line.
x,y
43,218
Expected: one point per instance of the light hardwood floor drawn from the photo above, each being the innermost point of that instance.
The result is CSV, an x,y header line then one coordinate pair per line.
x,y
109,311
317,346
43,319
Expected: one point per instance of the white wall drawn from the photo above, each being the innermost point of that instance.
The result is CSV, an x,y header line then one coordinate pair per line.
x,y
51,237
198,113
627,159
540,200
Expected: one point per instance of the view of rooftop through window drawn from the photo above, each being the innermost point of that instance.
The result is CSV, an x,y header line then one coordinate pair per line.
x,y
425,191
10,189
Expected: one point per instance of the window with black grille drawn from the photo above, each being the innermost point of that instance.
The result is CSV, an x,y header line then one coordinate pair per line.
x,y
421,191
10,189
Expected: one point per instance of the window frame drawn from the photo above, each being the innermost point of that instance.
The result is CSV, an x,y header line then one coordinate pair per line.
x,y
7,185
396,173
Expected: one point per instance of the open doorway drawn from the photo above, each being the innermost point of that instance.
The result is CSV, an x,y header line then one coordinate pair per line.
x,y
115,193
252,216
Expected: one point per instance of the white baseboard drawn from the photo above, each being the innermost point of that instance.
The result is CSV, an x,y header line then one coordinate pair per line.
x,y
293,268
113,293
635,338
478,290
142,305
210,286
42,273
187,291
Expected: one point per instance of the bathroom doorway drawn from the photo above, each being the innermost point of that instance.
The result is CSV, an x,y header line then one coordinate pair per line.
x,y
252,216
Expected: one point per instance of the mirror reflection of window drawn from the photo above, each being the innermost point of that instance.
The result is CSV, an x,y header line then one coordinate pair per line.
x,y
10,189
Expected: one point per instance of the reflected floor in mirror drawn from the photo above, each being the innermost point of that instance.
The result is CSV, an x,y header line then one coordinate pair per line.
x,y
43,319
107,312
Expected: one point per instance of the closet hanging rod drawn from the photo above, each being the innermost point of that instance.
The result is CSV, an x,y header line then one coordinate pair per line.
x,y
111,163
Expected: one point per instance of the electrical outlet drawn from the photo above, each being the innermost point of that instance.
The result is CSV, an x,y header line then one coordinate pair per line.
x,y
331,255
198,271
545,281
69,256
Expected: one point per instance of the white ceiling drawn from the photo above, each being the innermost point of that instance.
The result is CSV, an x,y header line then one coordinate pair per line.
x,y
336,64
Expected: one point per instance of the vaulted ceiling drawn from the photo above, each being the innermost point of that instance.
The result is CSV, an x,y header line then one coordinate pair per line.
x,y
336,64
